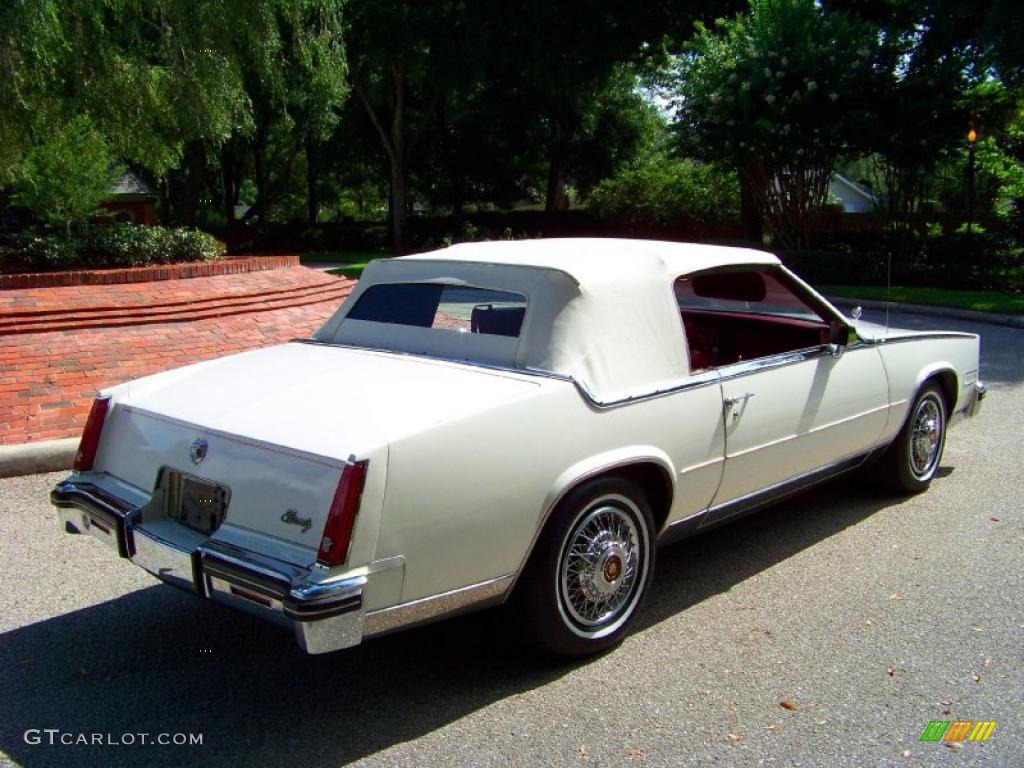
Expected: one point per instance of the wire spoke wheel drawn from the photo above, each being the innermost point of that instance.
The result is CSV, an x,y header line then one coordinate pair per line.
x,y
911,461
602,566
925,437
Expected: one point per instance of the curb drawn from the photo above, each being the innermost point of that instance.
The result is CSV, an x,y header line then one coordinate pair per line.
x,y
991,318
33,458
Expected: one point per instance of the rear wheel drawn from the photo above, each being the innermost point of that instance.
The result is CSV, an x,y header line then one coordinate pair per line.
x,y
587,579
912,460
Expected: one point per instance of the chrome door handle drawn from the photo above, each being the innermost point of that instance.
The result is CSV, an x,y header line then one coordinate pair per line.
x,y
737,399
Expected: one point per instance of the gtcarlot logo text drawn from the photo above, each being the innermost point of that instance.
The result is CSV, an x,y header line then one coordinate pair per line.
x,y
55,737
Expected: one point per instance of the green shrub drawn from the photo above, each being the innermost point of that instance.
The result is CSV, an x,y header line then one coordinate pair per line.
x,y
983,261
121,245
664,190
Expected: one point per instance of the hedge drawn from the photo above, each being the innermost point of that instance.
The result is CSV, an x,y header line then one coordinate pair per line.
x,y
95,246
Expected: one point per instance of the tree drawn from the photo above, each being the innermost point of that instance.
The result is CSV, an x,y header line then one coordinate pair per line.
x,y
64,179
779,94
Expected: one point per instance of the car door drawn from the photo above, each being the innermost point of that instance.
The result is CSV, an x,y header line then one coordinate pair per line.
x,y
792,404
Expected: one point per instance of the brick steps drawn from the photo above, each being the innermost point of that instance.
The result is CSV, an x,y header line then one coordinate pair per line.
x,y
189,310
58,346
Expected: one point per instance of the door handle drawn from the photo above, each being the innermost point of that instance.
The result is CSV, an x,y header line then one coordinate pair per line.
x,y
737,399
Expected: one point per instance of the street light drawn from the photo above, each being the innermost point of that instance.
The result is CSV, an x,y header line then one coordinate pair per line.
x,y
972,138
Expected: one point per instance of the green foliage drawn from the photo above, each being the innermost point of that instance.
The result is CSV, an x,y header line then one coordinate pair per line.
x,y
777,93
121,245
64,179
663,190
978,261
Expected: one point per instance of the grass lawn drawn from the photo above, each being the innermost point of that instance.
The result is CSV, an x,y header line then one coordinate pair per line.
x,y
982,301
350,263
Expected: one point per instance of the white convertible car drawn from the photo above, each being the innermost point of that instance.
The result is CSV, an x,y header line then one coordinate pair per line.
x,y
513,421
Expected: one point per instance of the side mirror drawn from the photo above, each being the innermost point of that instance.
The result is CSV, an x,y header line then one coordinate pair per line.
x,y
840,335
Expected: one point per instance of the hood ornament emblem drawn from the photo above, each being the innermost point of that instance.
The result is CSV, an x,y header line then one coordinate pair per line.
x,y
198,450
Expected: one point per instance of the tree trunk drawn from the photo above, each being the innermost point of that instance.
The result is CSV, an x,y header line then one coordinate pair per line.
x,y
751,219
554,199
393,138
229,182
260,171
195,171
312,176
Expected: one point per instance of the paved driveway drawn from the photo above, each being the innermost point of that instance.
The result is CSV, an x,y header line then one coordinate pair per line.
x,y
870,615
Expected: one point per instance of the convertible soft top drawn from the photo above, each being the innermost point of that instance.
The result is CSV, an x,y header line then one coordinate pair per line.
x,y
599,310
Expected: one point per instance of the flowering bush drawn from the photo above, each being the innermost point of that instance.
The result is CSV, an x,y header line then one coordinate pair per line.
x,y
779,93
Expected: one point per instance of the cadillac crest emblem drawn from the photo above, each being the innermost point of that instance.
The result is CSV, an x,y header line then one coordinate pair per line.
x,y
198,450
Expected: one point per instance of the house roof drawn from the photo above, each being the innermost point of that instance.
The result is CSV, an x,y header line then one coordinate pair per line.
x,y
130,185
854,187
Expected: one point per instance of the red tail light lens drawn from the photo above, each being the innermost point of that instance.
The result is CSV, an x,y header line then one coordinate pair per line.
x,y
342,517
91,436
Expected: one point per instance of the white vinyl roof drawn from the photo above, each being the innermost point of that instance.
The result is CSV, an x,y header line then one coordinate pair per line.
x,y
602,311
595,261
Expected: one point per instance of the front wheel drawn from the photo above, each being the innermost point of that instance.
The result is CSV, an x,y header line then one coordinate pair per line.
x,y
586,581
912,460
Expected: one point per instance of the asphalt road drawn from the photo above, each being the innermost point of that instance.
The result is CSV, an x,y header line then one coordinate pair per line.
x,y
870,615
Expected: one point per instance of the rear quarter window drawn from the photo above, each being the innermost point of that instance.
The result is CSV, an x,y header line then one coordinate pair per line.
x,y
462,309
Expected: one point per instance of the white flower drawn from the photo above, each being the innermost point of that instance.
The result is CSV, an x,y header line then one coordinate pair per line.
x,y
785,61
796,94
745,85
733,78
799,151
779,75
767,72
811,85
770,99
715,98
834,96
743,143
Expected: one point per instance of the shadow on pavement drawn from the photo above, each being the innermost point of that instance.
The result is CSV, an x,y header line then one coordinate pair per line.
x,y
161,661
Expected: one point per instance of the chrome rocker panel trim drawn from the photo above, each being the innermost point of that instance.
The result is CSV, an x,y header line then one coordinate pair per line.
x,y
324,616
731,510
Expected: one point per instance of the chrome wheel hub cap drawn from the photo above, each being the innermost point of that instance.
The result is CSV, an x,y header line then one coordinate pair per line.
x,y
600,566
925,438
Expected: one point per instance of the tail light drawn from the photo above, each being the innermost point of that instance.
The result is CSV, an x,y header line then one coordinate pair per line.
x,y
342,517
91,436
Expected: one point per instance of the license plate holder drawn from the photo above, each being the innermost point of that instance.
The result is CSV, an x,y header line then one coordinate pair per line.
x,y
193,501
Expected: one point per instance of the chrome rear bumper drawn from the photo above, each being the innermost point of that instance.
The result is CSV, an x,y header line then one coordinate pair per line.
x,y
325,616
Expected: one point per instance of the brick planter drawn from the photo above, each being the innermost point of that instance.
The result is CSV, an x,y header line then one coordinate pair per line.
x,y
230,265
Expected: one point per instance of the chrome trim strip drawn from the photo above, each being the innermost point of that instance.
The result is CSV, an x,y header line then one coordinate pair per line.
x,y
701,379
918,336
670,533
436,606
779,491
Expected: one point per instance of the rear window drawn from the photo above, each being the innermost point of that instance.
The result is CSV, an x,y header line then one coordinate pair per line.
x,y
447,307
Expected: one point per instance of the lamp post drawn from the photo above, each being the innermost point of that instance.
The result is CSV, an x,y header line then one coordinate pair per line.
x,y
972,138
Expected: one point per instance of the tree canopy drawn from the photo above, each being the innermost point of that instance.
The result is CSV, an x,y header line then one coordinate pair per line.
x,y
319,110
